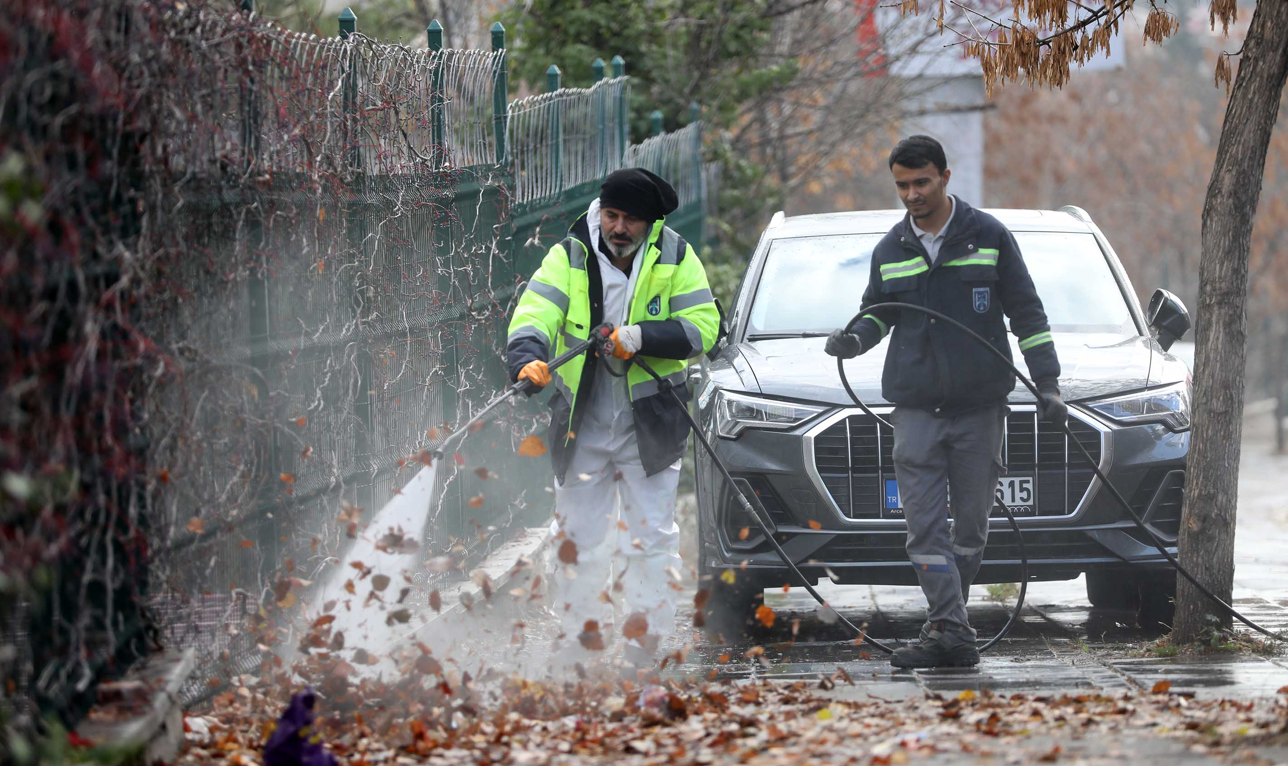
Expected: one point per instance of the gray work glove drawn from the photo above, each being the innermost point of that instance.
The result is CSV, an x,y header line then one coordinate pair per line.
x,y
1051,408
842,344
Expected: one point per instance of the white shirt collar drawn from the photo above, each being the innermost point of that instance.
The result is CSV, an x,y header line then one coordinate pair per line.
x,y
921,234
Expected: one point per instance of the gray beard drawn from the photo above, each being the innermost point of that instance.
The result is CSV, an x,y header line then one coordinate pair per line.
x,y
621,251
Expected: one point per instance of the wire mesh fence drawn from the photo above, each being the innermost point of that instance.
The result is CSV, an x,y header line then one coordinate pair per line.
x,y
676,156
268,271
565,138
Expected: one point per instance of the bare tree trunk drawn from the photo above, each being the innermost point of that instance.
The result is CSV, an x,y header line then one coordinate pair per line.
x,y
1207,528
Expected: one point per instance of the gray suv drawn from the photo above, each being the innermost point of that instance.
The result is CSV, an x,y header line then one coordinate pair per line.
x,y
772,404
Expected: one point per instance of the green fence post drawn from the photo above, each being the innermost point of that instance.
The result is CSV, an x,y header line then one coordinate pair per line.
x,y
601,117
623,108
500,95
258,302
553,77
434,33
363,446
656,120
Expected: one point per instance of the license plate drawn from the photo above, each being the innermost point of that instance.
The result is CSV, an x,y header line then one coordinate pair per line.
x,y
1017,492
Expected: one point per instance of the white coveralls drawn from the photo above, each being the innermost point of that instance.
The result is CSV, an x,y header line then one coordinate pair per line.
x,y
605,482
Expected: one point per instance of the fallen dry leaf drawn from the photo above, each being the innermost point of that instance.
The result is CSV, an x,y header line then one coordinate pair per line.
x,y
482,473
568,552
196,526
475,502
744,533
636,626
765,615
380,582
814,524
590,636
532,446
436,601
1161,687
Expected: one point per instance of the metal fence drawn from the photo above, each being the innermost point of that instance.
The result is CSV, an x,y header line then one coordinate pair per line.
x,y
332,235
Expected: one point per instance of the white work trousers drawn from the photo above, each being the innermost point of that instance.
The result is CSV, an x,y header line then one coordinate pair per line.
x,y
605,483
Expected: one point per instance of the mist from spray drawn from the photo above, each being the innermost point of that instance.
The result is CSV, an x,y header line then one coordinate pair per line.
x,y
364,623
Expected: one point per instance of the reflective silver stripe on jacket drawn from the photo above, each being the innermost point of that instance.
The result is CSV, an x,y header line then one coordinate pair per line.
x,y
550,293
670,247
693,334
576,253
531,330
649,387
689,300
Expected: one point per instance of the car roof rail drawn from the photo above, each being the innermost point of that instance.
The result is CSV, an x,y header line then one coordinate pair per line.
x,y
777,220
1077,212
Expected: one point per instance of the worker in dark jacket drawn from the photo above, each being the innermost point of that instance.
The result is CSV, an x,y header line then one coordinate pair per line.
x,y
949,394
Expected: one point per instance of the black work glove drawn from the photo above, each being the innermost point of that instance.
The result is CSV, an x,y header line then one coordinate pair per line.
x,y
844,345
1051,408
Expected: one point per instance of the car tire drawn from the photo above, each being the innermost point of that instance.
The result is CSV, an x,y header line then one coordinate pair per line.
x,y
1113,589
1157,600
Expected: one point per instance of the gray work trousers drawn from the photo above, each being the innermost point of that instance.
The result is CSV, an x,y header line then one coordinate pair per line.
x,y
930,453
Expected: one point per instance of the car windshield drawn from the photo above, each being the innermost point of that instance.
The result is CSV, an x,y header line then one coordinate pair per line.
x,y
814,284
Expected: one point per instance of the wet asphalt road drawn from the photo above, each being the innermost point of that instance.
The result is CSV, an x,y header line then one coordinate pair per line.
x,y
1060,643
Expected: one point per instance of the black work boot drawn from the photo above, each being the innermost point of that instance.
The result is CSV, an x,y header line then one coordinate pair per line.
x,y
937,650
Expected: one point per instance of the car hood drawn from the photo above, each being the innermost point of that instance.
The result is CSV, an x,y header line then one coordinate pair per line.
x,y
1092,365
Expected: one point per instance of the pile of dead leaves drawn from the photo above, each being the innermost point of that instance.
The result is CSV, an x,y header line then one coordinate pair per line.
x,y
438,713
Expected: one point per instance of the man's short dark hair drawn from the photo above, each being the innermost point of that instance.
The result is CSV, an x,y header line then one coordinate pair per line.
x,y
918,151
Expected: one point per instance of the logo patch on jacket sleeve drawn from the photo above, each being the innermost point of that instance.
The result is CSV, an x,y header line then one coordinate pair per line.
x,y
655,306
981,299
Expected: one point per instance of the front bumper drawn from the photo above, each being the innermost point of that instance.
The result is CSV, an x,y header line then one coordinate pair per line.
x,y
1090,530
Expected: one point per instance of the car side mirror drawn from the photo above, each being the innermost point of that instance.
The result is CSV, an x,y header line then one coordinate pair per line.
x,y
722,332
1168,318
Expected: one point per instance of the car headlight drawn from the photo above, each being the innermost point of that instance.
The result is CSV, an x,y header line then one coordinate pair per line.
x,y
738,412
1169,406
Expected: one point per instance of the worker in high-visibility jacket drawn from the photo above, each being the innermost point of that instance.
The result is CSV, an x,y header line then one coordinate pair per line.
x,y
616,442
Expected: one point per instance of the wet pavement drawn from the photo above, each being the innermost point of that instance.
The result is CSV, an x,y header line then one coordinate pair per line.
x,y
1060,644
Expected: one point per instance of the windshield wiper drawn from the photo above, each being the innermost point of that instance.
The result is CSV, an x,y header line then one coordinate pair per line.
x,y
781,335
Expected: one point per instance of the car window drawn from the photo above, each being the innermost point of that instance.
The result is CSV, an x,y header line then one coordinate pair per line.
x,y
815,284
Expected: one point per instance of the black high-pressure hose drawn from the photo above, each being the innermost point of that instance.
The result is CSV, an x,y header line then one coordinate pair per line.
x,y
667,387
1162,548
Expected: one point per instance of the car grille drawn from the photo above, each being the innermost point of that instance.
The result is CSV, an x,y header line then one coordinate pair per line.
x,y
1158,500
855,457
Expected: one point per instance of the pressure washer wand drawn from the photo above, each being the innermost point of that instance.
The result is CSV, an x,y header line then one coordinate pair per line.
x,y
598,340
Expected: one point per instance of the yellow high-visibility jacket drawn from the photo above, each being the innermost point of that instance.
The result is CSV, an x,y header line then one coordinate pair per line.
x,y
678,321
